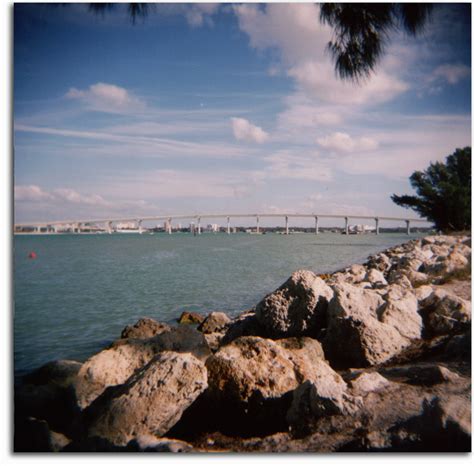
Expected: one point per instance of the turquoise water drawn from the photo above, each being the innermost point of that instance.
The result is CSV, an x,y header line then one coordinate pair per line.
x,y
83,289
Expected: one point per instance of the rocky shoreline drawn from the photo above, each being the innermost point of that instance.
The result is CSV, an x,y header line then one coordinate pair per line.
x,y
376,357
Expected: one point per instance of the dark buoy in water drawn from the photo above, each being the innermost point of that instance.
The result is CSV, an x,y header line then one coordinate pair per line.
x,y
32,255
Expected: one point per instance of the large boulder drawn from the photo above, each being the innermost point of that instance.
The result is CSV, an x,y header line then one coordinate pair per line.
x,y
445,313
215,322
60,373
34,435
324,395
296,308
400,310
150,402
114,365
144,328
368,382
48,394
254,367
246,324
355,337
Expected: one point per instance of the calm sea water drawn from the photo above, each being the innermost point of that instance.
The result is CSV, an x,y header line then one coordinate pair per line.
x,y
83,289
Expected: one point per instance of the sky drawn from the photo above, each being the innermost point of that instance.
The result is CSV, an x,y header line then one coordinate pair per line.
x,y
216,108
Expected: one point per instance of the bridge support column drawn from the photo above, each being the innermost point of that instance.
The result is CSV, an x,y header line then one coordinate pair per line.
x,y
109,227
347,225
377,226
228,225
408,226
258,226
169,226
286,226
79,225
316,225
140,229
199,225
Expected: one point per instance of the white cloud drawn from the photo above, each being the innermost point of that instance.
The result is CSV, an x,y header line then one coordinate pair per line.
x,y
198,14
245,131
31,193
451,73
107,98
343,142
296,32
319,80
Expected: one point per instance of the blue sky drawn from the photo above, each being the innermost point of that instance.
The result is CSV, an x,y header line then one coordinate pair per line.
x,y
217,108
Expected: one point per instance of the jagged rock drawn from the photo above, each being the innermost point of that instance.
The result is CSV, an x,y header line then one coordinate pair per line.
x,y
214,340
256,367
355,337
190,318
400,311
214,322
380,262
427,374
144,328
243,325
368,382
34,435
324,395
150,402
304,347
445,313
375,277
446,264
422,292
60,373
113,366
296,308
150,443
358,272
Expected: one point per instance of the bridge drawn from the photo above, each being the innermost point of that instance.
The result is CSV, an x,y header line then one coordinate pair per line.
x,y
108,223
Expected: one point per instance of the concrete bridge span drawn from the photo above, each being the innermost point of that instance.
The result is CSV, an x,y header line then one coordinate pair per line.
x,y
168,219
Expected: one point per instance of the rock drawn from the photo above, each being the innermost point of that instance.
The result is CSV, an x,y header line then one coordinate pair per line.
x,y
358,272
144,328
60,373
298,307
380,262
150,402
304,347
324,395
113,366
33,435
244,325
214,322
190,318
422,292
150,443
214,340
355,337
253,367
445,313
368,382
400,311
426,374
447,264
375,277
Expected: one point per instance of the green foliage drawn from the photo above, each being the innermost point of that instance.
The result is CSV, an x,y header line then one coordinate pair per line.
x,y
444,192
361,32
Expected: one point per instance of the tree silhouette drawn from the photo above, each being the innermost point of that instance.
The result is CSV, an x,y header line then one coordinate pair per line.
x,y
361,30
444,192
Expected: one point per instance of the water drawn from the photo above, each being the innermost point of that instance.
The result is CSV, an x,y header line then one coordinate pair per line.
x,y
83,289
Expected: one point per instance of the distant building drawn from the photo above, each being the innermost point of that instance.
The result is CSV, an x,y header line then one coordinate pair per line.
x,y
213,228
